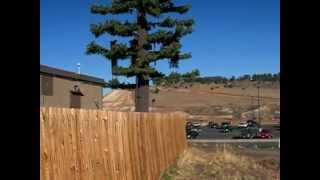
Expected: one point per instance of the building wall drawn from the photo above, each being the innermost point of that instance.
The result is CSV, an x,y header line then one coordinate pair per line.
x,y
92,98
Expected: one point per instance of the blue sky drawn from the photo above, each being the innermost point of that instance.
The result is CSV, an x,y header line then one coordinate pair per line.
x,y
231,37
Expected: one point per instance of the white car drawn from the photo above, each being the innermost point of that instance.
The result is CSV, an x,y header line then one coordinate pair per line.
x,y
243,125
196,124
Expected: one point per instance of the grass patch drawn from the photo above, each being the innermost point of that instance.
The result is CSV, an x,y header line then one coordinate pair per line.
x,y
170,173
224,164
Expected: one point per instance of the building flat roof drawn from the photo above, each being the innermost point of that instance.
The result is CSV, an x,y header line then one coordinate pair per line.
x,y
70,75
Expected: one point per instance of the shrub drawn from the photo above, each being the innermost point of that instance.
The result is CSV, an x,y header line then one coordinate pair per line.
x,y
157,90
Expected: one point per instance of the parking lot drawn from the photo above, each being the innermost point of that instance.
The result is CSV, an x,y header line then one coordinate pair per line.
x,y
213,133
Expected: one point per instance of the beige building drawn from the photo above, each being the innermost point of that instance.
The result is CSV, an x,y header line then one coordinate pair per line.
x,y
60,88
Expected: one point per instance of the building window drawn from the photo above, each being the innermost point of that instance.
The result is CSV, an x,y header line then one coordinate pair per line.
x,y
47,85
76,90
75,97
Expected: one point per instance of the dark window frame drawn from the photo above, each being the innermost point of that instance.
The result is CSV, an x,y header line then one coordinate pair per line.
x,y
76,91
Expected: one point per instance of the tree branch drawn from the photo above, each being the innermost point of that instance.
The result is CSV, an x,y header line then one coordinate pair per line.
x,y
114,27
116,8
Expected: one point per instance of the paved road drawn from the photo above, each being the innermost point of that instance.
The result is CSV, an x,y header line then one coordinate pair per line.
x,y
256,150
234,140
211,133
239,144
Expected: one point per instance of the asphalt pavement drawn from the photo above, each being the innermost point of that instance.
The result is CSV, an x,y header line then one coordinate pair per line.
x,y
212,133
234,140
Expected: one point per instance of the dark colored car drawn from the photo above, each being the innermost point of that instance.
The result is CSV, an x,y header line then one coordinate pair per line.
x,y
225,125
227,129
252,123
248,133
265,133
189,124
212,125
192,134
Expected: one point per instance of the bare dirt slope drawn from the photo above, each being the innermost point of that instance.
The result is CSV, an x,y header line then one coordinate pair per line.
x,y
206,102
199,95
119,100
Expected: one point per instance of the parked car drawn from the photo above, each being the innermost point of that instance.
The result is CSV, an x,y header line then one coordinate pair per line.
x,y
196,124
189,126
192,134
249,132
243,125
227,129
212,125
225,125
196,129
252,123
265,133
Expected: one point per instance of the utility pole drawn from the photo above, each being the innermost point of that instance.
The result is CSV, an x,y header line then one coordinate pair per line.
x,y
259,119
252,108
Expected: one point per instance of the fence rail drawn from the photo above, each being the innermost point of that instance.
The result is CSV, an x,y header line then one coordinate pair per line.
x,y
101,145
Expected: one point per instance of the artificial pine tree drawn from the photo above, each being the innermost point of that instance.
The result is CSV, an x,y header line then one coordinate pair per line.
x,y
166,33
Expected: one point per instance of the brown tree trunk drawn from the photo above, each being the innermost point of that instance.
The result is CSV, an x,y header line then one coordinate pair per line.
x,y
142,81
142,95
114,63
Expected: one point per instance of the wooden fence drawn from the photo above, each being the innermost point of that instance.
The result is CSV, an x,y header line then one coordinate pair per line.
x,y
100,145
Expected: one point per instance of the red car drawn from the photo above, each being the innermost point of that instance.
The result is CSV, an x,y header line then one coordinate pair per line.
x,y
265,133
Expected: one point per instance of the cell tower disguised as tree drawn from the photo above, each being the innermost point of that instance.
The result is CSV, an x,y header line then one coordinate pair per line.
x,y
154,38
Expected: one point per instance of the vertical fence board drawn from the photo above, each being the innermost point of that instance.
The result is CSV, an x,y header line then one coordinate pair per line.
x,y
79,144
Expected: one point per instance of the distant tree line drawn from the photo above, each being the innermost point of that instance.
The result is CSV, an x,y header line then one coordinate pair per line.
x,y
266,77
213,79
174,78
260,77
194,76
246,77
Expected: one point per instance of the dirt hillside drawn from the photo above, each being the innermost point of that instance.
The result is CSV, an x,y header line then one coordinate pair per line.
x,y
119,100
206,102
